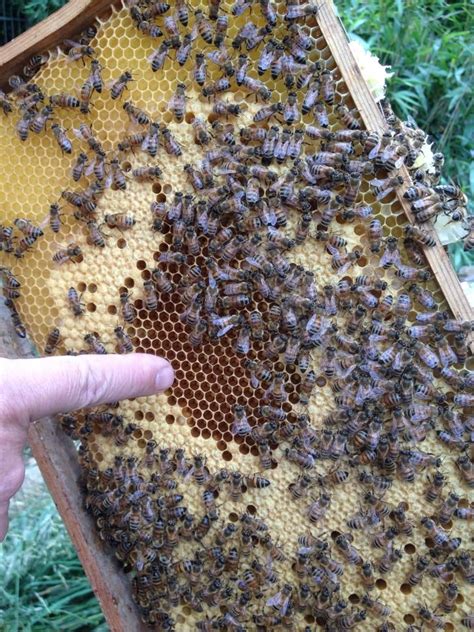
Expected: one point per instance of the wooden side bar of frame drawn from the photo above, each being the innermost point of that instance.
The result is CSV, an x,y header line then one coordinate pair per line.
x,y
68,21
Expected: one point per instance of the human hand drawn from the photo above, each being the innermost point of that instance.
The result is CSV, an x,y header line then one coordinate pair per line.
x,y
38,387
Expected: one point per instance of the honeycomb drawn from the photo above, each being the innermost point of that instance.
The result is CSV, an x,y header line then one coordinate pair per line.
x,y
126,464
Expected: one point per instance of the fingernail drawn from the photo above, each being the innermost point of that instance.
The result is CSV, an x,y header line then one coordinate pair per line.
x,y
164,378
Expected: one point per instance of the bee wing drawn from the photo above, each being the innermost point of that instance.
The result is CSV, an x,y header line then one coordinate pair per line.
x,y
274,601
385,259
254,381
377,182
345,267
44,222
194,32
212,282
68,43
285,604
109,85
373,152
77,133
381,194
189,473
399,162
90,167
108,181
224,330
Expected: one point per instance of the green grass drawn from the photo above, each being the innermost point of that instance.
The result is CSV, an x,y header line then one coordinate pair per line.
x,y
43,587
430,46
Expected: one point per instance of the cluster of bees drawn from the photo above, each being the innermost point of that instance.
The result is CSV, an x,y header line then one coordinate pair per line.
x,y
259,193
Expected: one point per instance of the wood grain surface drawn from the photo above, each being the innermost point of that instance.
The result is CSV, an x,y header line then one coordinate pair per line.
x,y
57,460
45,36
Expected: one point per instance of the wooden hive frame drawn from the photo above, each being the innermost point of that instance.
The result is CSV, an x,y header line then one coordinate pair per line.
x,y
55,453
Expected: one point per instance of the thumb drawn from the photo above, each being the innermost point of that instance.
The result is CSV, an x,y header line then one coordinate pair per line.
x,y
37,387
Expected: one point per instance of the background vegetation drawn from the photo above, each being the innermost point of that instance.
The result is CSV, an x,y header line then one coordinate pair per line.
x,y
430,47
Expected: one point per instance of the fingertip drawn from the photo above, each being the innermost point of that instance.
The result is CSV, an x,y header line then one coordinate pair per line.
x,y
164,377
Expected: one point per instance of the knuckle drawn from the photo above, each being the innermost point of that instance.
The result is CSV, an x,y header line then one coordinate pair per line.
x,y
92,384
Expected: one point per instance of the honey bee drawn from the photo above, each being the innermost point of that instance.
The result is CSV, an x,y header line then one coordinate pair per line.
x,y
79,51
300,488
383,187
118,86
204,27
27,228
84,132
95,77
298,11
223,108
52,341
170,143
127,309
122,221
150,142
267,111
64,101
367,576
61,137
281,148
306,387
39,120
70,253
5,103
23,125
351,555
96,236
291,112
194,177
420,236
155,9
431,620
11,284
158,57
466,469
79,167
34,64
16,319
216,87
135,114
177,103
125,344
162,281
222,24
146,174
257,87
150,295
74,300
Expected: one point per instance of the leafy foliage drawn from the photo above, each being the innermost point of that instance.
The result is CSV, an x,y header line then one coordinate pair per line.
x,y
37,10
430,46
